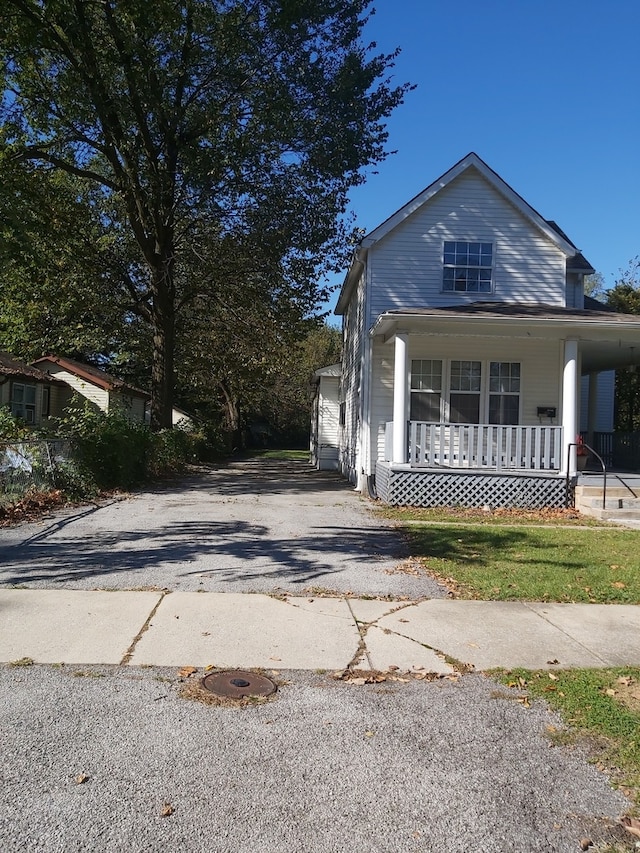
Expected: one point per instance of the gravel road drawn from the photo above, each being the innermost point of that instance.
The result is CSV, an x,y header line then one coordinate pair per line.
x,y
325,766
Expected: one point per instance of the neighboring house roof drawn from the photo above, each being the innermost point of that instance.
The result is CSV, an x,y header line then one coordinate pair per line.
x,y
94,374
575,261
334,370
592,304
14,367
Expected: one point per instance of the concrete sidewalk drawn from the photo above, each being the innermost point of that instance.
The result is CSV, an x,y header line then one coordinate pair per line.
x,y
160,628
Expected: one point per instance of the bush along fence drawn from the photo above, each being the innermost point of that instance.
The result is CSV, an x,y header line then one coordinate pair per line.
x,y
96,452
32,465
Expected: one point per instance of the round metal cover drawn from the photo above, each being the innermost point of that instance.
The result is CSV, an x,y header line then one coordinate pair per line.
x,y
237,683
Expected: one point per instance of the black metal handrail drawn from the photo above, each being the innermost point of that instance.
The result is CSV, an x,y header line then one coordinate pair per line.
x,y
598,457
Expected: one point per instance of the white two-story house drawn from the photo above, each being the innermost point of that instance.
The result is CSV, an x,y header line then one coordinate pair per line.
x,y
466,335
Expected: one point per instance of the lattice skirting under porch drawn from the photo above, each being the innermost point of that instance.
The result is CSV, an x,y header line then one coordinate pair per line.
x,y
469,489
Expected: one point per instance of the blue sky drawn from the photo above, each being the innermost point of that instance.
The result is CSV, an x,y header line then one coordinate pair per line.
x,y
547,93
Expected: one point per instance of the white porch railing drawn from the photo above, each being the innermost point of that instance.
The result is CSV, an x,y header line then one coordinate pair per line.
x,y
434,445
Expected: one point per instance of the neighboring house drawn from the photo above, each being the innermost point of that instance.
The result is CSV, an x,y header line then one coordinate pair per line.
x,y
466,334
326,417
100,388
27,392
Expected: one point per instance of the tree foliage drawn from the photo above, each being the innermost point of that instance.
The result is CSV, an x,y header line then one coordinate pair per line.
x,y
204,126
625,298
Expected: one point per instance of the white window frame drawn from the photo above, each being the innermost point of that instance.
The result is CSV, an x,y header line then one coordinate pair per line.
x,y
21,408
464,261
484,393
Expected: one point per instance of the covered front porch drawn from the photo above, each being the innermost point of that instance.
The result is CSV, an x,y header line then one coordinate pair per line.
x,y
524,453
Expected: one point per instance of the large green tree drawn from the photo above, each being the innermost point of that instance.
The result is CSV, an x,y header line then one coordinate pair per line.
x,y
58,284
197,124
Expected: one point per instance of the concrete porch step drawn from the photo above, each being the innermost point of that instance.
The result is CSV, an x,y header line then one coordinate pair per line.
x,y
622,515
611,502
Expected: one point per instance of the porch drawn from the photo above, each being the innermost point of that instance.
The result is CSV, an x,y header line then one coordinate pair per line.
x,y
480,446
474,465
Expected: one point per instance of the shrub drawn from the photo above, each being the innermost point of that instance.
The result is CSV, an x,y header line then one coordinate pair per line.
x,y
12,428
110,450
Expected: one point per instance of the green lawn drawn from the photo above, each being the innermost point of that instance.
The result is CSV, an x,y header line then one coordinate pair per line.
x,y
552,556
544,563
290,455
602,706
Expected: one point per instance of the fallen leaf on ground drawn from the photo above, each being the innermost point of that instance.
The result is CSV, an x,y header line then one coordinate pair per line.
x,y
187,671
81,779
631,824
167,809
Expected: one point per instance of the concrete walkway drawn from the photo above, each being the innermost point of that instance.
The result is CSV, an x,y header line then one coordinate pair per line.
x,y
177,628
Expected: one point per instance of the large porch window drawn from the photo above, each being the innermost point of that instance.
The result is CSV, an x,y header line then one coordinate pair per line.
x,y
464,396
465,391
504,392
426,389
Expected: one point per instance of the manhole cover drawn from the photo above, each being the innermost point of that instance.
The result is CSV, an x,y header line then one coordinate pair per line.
x,y
237,683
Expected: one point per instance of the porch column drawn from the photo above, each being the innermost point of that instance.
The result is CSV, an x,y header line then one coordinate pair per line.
x,y
592,408
569,404
400,391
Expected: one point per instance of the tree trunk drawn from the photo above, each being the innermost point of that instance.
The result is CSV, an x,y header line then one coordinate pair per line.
x,y
164,338
233,418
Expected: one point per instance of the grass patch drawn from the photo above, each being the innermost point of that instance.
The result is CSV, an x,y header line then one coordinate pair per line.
x,y
462,515
601,707
287,455
497,563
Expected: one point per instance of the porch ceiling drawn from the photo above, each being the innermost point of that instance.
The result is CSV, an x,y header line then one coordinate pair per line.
x,y
607,340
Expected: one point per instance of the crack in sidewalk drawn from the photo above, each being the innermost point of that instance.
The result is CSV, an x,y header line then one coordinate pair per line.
x,y
566,634
129,653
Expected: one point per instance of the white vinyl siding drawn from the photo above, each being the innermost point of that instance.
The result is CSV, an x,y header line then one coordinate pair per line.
x,y
605,402
540,371
407,264
352,360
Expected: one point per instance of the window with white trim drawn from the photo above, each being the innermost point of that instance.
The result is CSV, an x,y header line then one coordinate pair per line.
x,y
426,390
465,384
504,392
23,401
467,267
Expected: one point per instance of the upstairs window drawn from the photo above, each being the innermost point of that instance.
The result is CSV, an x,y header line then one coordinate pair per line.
x,y
467,267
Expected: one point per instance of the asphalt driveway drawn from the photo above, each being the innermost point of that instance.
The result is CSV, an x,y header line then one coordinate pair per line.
x,y
118,759
246,527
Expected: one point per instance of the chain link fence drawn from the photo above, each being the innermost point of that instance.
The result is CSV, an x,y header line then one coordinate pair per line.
x,y
31,465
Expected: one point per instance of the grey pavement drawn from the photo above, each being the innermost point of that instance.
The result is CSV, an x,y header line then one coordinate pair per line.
x,y
172,629
278,567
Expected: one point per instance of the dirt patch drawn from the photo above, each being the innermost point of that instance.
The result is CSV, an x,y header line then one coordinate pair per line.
x,y
627,692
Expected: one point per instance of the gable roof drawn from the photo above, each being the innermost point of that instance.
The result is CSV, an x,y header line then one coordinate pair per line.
x,y
93,374
10,366
575,261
